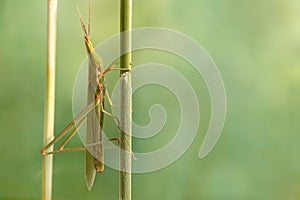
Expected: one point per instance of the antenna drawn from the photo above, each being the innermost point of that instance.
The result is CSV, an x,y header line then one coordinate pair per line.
x,y
82,23
89,22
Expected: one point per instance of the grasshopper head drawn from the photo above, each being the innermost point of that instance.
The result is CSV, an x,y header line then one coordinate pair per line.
x,y
86,31
88,44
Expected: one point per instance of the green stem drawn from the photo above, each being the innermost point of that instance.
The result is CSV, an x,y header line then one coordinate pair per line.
x,y
47,161
126,100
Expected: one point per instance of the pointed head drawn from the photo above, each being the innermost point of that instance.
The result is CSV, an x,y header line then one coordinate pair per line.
x,y
86,31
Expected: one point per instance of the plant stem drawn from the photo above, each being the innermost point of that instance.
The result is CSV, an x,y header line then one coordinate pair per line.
x,y
47,161
126,100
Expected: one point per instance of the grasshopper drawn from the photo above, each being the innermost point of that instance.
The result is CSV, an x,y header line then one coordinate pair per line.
x,y
93,113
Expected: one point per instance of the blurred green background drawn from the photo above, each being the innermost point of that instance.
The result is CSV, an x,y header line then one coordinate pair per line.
x,y
256,46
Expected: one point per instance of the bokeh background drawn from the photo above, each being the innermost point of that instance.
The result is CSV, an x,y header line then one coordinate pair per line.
x,y
256,46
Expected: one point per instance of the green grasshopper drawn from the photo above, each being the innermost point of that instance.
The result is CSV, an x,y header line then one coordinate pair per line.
x,y
93,114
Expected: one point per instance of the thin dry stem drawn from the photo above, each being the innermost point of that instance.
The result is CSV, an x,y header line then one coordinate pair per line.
x,y
47,161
